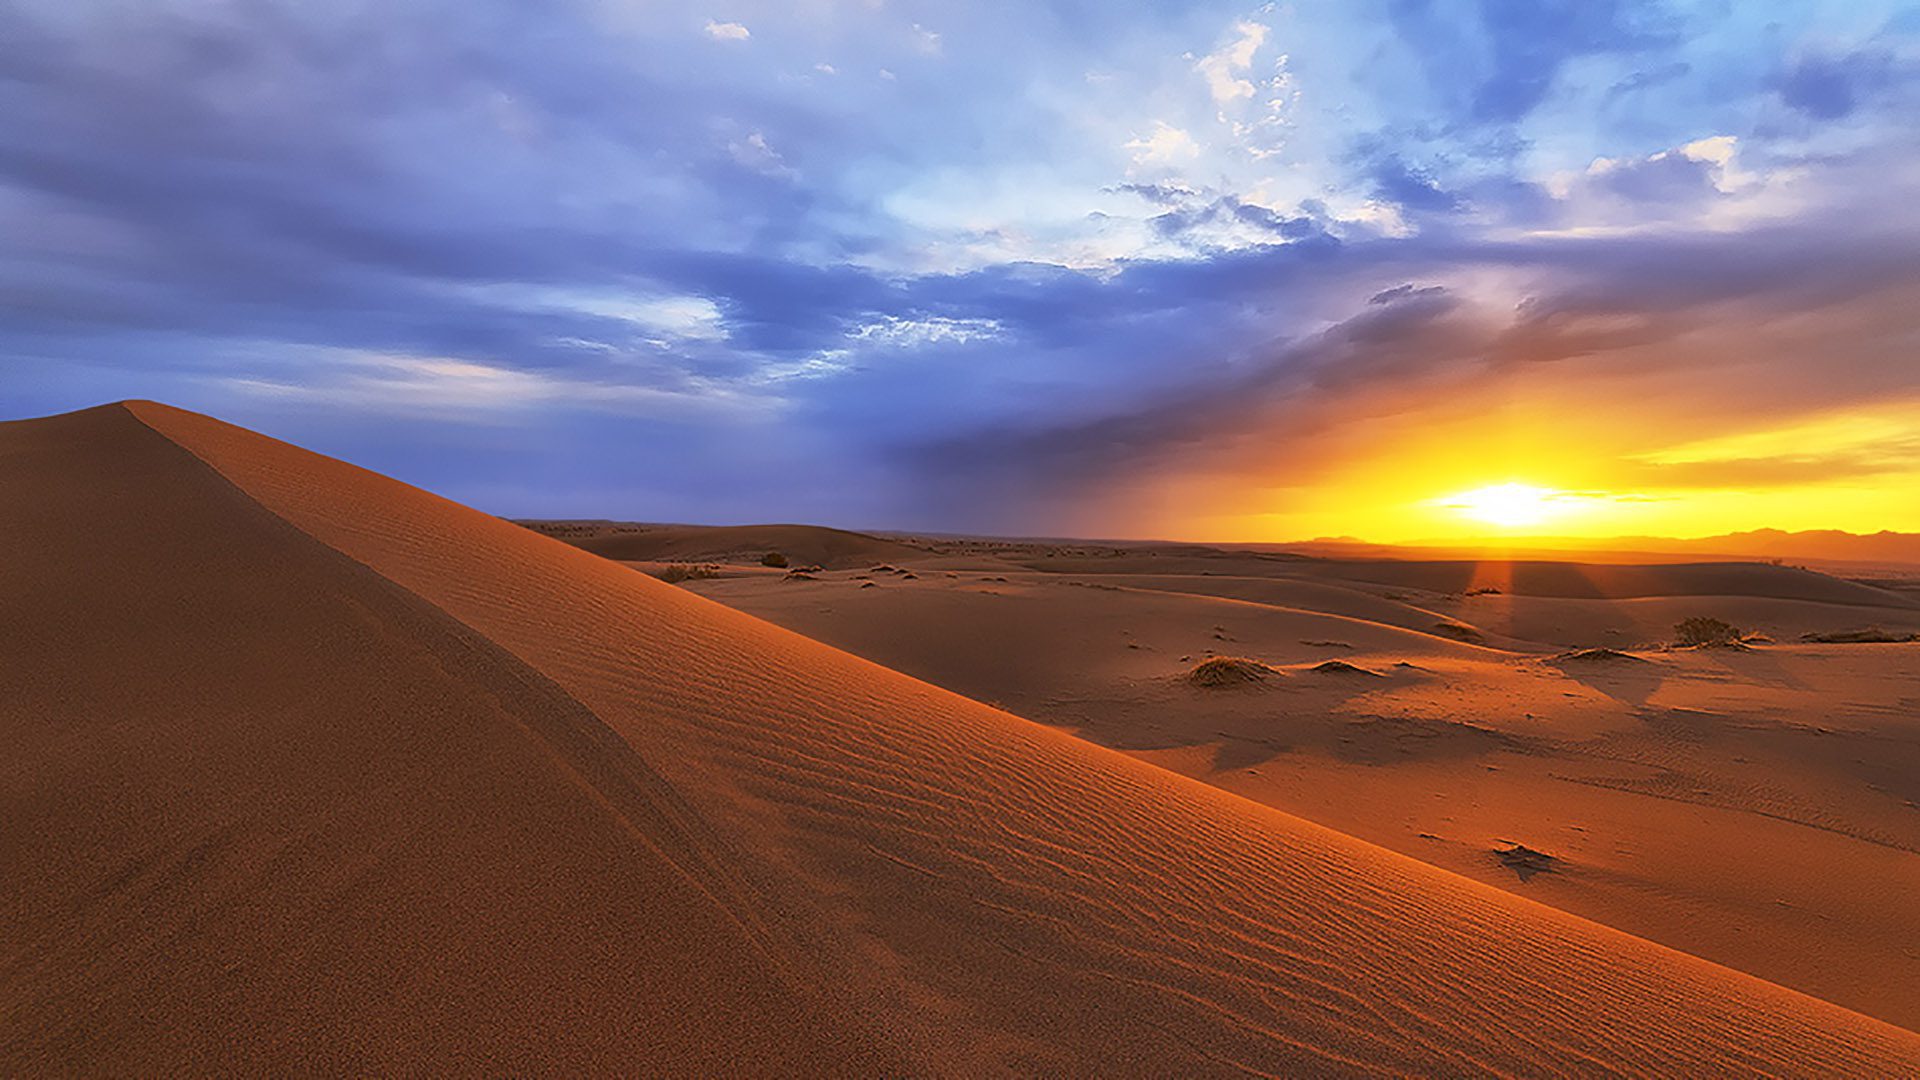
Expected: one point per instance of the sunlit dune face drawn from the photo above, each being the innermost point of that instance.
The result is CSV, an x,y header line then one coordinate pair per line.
x,y
1508,506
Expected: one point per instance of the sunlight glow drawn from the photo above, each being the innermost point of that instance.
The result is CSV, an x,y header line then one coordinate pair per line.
x,y
1510,505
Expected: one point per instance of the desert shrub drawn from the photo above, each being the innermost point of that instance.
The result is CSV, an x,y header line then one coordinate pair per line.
x,y
675,573
1228,671
1700,630
773,558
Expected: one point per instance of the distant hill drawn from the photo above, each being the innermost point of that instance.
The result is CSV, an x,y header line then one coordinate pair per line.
x,y
1884,546
803,545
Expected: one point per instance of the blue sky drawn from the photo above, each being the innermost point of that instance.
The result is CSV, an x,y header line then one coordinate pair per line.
x,y
1088,267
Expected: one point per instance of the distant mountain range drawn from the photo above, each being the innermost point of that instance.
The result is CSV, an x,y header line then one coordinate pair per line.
x,y
1884,546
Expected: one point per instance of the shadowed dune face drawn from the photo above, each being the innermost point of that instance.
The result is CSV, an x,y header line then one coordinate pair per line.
x,y
267,810
482,799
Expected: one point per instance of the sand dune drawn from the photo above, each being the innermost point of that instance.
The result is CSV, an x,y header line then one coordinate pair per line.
x,y
266,810
1754,807
1549,623
329,774
1539,578
1615,582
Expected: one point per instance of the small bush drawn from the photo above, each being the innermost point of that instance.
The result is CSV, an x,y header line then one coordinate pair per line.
x,y
773,558
1701,630
675,573
1229,671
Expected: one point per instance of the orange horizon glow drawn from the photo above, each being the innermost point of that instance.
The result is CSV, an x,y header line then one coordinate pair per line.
x,y
1583,475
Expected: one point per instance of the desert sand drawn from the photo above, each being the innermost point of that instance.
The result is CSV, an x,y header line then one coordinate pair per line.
x,y
311,770
1756,805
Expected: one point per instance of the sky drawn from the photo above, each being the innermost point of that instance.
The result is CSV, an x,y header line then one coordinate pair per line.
x,y
1397,270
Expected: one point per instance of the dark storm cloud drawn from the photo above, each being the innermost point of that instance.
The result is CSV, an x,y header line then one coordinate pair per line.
x,y
1410,187
1830,86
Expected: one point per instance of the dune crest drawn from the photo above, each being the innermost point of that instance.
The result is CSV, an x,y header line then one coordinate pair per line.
x,y
376,781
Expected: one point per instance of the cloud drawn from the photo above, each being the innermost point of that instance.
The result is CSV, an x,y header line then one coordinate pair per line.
x,y
687,318
1165,145
1224,69
1859,440
1218,220
753,152
896,331
1701,182
1831,86
727,31
465,389
1254,110
1410,187
1494,63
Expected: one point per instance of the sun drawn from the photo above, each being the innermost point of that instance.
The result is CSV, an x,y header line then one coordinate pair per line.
x,y
1510,505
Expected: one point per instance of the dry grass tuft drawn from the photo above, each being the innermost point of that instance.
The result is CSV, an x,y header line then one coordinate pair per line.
x,y
1595,656
1229,671
1341,667
1700,630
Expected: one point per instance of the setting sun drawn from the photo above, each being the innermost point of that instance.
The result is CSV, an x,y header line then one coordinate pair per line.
x,y
1510,505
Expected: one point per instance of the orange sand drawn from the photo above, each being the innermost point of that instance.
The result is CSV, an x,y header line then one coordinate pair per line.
x,y
314,771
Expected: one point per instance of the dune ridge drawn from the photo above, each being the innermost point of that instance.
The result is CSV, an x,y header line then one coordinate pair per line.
x,y
268,811
696,840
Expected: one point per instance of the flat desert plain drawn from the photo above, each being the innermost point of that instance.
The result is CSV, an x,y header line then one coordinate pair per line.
x,y
311,771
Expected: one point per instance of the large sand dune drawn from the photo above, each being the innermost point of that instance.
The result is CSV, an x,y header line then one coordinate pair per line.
x,y
313,771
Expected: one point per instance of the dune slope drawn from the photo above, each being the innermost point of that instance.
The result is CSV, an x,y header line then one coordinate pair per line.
x,y
267,810
334,773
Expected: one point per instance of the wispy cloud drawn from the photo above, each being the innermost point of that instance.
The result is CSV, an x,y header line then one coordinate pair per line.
x,y
469,391
1225,69
1164,145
